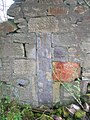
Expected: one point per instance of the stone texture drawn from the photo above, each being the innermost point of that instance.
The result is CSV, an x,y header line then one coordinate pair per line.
x,y
31,51
56,92
0,63
86,47
50,1
60,54
7,27
65,71
43,24
12,50
24,67
44,68
80,9
14,10
57,11
24,38
48,31
65,39
87,62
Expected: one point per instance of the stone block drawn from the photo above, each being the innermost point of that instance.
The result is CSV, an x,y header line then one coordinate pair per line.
x,y
24,67
43,24
60,54
13,10
31,51
86,64
75,54
0,63
57,10
86,47
26,93
51,1
34,10
80,9
11,50
24,38
64,39
65,71
56,92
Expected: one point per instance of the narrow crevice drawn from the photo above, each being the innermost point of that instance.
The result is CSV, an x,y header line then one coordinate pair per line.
x,y
25,54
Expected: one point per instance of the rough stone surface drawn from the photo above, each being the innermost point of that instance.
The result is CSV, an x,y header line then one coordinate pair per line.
x,y
43,24
31,51
44,32
57,10
24,38
22,67
64,39
0,63
60,54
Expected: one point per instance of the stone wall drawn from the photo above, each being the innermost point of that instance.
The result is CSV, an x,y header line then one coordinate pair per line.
x,y
45,31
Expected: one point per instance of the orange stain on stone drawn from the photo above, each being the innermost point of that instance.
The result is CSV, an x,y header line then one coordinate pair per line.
x,y
65,71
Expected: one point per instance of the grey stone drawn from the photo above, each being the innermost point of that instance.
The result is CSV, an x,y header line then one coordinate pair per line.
x,y
86,64
34,10
31,51
60,54
12,50
24,38
24,67
0,63
86,46
14,10
43,24
64,39
22,82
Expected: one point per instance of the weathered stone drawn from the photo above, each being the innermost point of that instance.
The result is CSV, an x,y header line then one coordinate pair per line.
x,y
7,27
31,51
7,69
86,73
50,1
24,67
22,82
43,24
57,11
75,54
23,26
44,68
60,54
13,10
86,46
0,63
12,50
80,9
64,39
86,64
65,71
24,38
56,92
34,10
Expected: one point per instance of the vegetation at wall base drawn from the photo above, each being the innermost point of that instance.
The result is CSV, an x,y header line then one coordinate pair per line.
x,y
12,110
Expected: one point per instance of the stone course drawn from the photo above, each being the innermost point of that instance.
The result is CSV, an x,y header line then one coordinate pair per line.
x,y
43,32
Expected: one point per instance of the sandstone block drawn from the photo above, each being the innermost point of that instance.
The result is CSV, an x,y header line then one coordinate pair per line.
x,y
57,11
24,67
31,51
12,50
43,24
24,38
64,39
